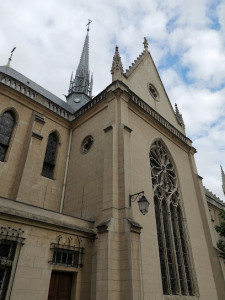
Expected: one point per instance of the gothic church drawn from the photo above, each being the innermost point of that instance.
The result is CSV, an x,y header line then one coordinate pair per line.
x,y
100,196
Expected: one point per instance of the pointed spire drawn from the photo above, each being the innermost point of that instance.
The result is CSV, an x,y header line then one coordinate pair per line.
x,y
179,117
83,67
223,179
117,67
81,83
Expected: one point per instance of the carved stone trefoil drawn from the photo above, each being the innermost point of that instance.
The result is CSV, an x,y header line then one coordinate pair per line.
x,y
117,67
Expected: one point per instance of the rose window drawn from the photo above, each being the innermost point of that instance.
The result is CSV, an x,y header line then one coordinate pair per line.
x,y
153,92
87,144
163,174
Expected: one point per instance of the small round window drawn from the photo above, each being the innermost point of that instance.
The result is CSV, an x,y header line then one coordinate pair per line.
x,y
86,144
153,91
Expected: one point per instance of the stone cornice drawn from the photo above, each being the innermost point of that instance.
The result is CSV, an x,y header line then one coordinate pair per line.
x,y
157,117
25,90
138,102
112,88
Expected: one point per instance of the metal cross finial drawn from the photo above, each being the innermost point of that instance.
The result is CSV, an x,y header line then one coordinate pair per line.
x,y
10,58
89,22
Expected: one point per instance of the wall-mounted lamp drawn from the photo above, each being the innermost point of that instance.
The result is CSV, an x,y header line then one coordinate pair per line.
x,y
142,202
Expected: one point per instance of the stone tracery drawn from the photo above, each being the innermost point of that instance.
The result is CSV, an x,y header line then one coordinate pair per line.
x,y
174,256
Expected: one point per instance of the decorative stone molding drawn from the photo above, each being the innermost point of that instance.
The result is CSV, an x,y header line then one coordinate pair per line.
x,y
134,99
18,86
58,110
137,61
151,112
30,93
39,118
103,226
179,117
90,104
108,128
126,128
134,226
37,136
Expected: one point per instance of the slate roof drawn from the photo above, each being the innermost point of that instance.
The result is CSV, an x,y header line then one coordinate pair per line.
x,y
37,88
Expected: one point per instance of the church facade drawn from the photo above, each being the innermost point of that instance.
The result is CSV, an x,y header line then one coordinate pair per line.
x,y
100,197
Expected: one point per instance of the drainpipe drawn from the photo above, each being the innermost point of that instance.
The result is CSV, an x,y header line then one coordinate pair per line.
x,y
66,173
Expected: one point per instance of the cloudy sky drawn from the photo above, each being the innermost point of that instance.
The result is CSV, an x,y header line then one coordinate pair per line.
x,y
186,40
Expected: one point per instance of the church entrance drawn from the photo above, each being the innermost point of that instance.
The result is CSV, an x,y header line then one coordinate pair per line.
x,y
60,286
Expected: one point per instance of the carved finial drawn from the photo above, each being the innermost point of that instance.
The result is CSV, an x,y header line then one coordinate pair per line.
x,y
88,25
223,179
179,117
145,43
117,67
10,58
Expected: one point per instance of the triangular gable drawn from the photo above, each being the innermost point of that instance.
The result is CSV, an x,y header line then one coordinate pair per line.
x,y
143,79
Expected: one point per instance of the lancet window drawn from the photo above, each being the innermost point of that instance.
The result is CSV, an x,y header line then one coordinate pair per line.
x,y
7,123
50,156
175,261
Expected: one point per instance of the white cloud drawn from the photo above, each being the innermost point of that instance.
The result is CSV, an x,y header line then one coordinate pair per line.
x,y
205,57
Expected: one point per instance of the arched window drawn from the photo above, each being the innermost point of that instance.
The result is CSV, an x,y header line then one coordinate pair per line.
x,y
50,156
7,122
174,256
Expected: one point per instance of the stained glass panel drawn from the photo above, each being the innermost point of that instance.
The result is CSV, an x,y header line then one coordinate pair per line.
x,y
50,155
7,123
173,252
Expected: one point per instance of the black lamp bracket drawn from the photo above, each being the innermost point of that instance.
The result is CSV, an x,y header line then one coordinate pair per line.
x,y
134,197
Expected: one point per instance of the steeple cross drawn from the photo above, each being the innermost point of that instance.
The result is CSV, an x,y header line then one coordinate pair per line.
x,y
10,58
89,22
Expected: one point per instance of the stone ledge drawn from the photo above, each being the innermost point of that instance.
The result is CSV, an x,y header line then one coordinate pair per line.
x,y
134,226
45,217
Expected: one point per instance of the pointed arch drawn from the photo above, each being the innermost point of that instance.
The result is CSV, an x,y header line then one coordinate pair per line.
x,y
162,255
50,155
174,255
7,124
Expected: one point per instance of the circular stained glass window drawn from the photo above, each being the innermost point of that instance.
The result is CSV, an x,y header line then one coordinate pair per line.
x,y
153,91
87,144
